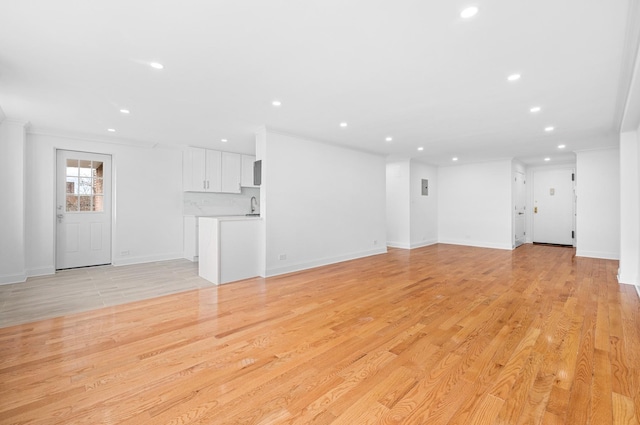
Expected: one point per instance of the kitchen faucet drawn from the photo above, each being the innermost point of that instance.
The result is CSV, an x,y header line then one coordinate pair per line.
x,y
254,204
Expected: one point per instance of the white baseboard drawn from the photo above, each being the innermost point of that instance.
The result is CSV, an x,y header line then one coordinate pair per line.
x,y
477,244
12,278
423,243
400,245
414,245
598,254
126,261
42,271
324,262
627,279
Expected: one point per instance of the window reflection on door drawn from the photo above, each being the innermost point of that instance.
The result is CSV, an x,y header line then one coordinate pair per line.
x,y
84,186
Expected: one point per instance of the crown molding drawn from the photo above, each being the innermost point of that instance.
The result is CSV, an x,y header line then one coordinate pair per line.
x,y
40,131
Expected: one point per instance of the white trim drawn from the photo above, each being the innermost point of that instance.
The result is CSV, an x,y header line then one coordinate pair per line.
x,y
479,244
324,262
627,280
12,278
638,290
400,245
424,243
598,254
146,259
42,271
37,131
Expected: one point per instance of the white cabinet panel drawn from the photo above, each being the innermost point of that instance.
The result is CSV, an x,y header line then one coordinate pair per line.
x,y
190,241
194,170
214,171
247,171
231,165
201,170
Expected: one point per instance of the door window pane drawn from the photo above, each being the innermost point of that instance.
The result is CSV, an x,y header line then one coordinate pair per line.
x,y
98,203
97,185
84,180
72,203
72,185
98,167
85,169
85,203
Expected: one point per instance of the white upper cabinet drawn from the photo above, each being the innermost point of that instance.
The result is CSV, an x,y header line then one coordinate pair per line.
x,y
247,171
231,169
201,170
206,170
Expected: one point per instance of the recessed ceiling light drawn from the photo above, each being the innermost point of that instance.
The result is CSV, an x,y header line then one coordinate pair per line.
x,y
547,159
343,124
420,148
388,139
469,12
548,129
224,140
156,65
276,103
514,77
561,146
111,130
124,111
455,158
535,109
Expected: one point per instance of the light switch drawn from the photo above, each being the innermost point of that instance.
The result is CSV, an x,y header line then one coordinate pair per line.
x,y
552,191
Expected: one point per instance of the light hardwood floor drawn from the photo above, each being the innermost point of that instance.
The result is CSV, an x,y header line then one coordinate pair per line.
x,y
76,290
438,335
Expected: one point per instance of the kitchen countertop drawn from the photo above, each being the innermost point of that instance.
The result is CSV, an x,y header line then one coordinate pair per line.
x,y
231,217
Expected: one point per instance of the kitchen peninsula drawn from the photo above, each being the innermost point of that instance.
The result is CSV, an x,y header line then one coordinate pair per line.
x,y
228,248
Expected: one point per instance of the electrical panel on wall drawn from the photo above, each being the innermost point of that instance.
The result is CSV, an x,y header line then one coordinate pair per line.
x,y
425,187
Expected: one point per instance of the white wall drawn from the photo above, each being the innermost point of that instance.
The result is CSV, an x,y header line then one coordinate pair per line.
x,y
424,209
398,204
629,208
12,205
474,204
598,203
148,200
321,203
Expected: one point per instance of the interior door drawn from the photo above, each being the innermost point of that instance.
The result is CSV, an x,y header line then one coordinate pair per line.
x,y
83,209
519,219
553,192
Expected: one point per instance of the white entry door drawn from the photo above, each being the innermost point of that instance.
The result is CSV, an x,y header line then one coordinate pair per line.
x,y
553,206
519,209
83,209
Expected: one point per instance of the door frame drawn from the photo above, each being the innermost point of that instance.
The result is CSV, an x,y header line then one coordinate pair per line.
x,y
530,176
55,200
526,210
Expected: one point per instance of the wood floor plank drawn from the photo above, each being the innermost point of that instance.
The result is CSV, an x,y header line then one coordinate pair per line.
x,y
440,335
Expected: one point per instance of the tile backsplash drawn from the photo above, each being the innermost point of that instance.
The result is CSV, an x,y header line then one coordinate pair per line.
x,y
195,203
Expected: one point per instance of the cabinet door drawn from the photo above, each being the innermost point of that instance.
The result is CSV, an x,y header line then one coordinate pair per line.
x,y
231,165
213,171
247,171
190,238
193,170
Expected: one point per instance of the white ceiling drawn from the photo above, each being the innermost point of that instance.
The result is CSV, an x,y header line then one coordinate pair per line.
x,y
412,70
